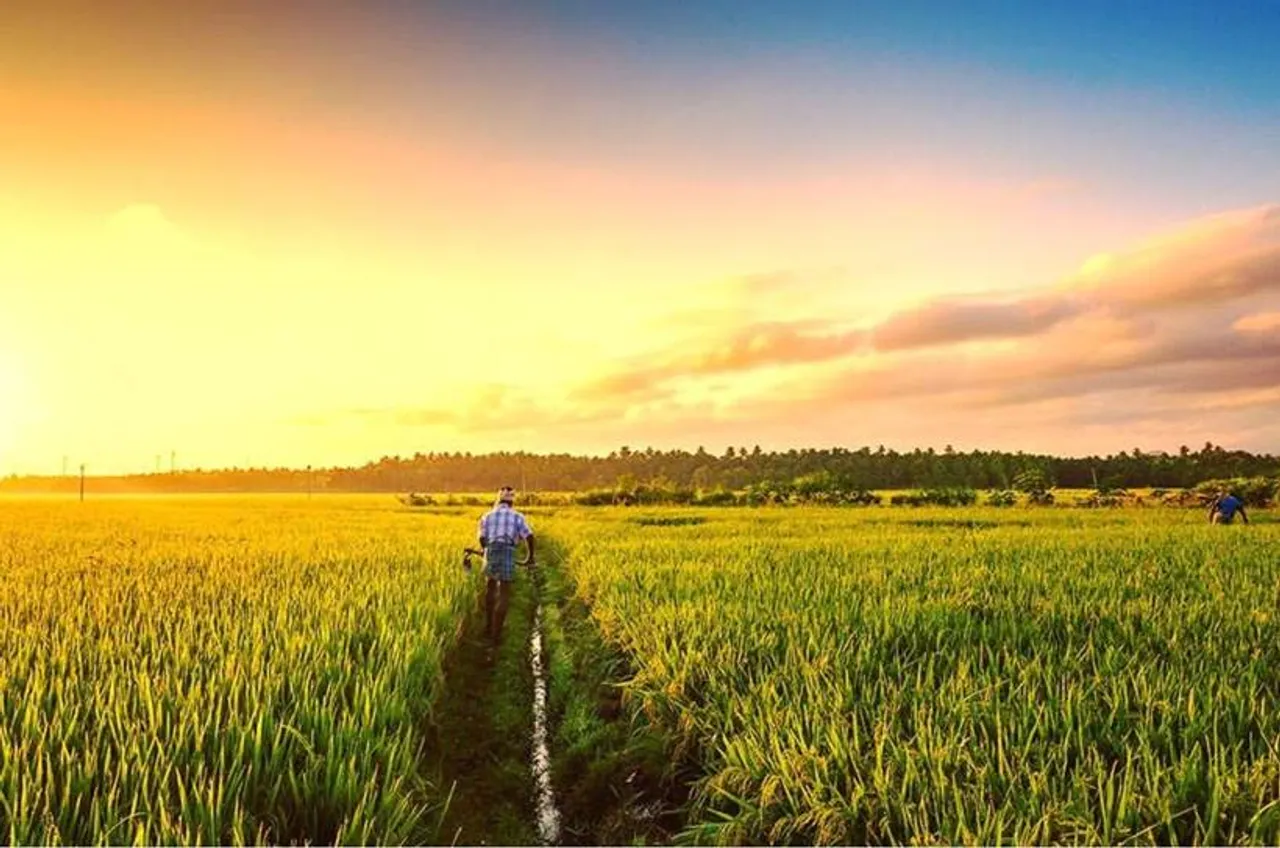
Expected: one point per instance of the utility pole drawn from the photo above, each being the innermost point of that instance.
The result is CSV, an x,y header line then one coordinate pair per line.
x,y
308,482
173,462
82,482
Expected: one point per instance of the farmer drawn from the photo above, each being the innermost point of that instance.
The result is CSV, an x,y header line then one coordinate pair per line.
x,y
1224,508
501,529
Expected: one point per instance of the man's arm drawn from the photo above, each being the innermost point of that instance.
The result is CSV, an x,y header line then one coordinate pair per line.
x,y
525,532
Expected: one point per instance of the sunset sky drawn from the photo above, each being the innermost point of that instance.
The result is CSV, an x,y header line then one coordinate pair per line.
x,y
322,232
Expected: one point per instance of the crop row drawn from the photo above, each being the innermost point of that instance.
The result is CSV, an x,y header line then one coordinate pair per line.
x,y
875,677
199,672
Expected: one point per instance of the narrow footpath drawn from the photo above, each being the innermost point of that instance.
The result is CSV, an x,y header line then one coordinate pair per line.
x,y
483,731
534,743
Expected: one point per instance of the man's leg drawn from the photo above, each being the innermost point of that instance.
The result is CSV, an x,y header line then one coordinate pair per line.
x,y
500,608
490,602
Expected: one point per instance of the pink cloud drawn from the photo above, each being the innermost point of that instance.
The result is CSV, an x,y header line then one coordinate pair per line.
x,y
1153,319
956,320
1181,323
1262,322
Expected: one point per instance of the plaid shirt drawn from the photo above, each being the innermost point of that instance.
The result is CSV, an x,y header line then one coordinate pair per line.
x,y
504,524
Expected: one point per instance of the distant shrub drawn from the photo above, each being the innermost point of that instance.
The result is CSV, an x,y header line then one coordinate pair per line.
x,y
1096,500
1254,491
1180,497
716,497
946,496
950,496
1002,497
669,520
658,492
768,493
417,499
595,497
1035,484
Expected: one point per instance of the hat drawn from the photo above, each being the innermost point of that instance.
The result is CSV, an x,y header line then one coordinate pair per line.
x,y
506,495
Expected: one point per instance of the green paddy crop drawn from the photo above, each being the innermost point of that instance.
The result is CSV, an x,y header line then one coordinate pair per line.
x,y
236,670
970,676
216,670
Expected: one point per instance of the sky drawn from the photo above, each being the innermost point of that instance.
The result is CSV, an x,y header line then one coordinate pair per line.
x,y
322,232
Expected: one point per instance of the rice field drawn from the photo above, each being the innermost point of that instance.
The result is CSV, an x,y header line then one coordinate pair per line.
x,y
225,670
219,671
954,676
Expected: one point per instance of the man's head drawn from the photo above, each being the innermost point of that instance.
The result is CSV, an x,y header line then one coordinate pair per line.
x,y
506,495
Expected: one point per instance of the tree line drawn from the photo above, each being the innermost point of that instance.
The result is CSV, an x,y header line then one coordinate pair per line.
x,y
734,469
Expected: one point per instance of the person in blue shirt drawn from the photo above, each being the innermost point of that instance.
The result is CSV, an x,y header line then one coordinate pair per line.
x,y
501,530
1224,508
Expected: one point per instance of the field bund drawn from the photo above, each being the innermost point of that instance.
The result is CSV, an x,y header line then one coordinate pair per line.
x,y
273,669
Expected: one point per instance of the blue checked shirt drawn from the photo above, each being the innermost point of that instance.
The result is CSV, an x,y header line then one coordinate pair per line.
x,y
504,524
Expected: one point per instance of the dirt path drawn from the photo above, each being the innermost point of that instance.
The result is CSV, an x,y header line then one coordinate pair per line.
x,y
534,742
483,730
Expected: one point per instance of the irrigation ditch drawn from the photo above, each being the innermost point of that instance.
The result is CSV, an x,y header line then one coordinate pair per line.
x,y
535,744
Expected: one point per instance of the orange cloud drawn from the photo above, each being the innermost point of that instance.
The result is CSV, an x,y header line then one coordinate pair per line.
x,y
1263,322
956,320
1179,323
1157,318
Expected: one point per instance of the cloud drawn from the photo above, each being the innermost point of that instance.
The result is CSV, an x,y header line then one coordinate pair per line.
x,y
1216,259
955,320
1262,322
1164,317
1176,335
1077,360
1220,259
757,345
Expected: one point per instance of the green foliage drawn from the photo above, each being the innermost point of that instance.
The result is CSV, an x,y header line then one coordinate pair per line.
x,y
951,496
221,673
866,468
873,678
1102,499
948,496
1031,480
1036,485
1004,497
1254,491
717,497
669,520
596,497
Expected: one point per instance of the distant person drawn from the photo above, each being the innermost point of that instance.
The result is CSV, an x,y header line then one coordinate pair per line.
x,y
1224,508
501,530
